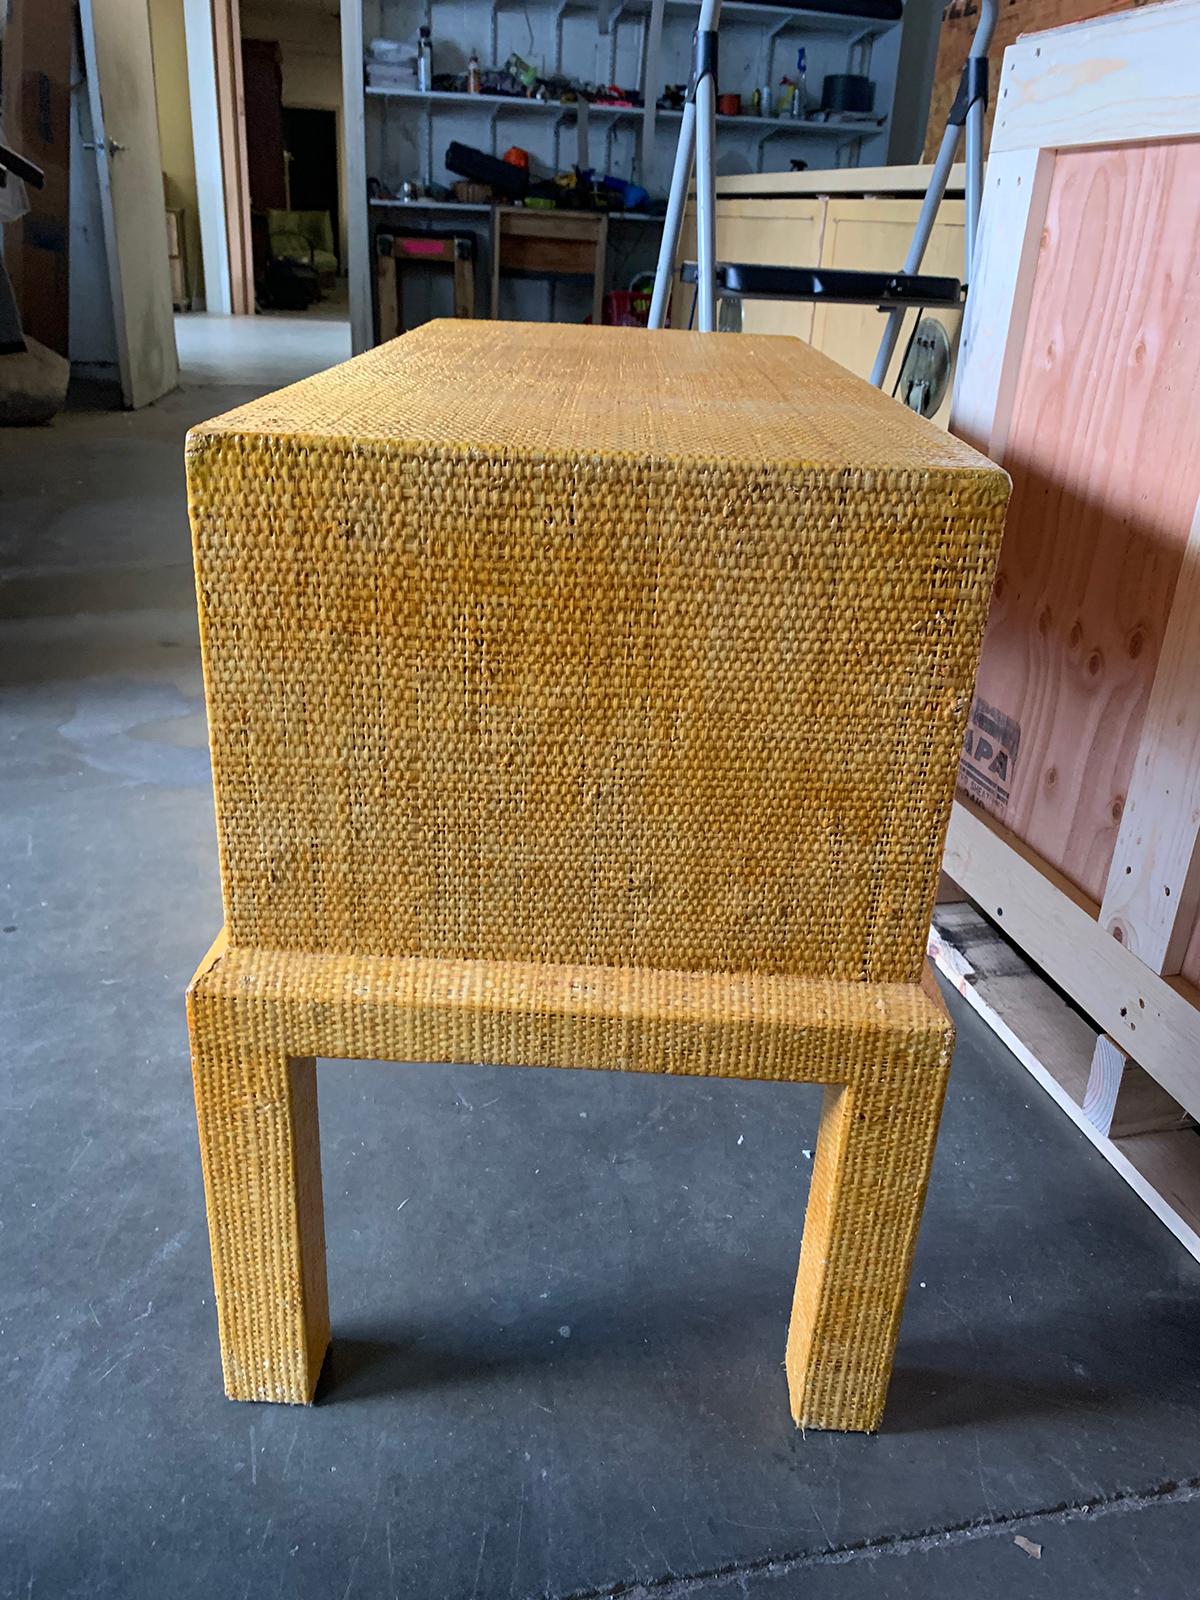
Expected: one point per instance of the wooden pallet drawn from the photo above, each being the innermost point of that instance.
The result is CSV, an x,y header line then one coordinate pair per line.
x,y
1077,827
1145,1134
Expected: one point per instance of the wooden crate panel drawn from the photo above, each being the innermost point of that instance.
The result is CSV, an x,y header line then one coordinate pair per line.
x,y
1105,458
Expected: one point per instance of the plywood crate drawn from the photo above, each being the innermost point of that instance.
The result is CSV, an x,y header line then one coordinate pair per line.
x,y
1076,826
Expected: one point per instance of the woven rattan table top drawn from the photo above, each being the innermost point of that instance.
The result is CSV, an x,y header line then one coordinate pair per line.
x,y
545,388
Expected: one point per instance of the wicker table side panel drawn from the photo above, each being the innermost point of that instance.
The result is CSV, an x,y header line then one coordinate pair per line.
x,y
681,714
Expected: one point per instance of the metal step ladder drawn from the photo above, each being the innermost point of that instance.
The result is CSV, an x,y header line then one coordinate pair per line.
x,y
893,292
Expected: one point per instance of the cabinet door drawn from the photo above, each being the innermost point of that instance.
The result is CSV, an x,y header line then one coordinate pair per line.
x,y
772,233
769,233
875,234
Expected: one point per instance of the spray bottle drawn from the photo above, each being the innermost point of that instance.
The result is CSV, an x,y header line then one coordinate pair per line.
x,y
800,88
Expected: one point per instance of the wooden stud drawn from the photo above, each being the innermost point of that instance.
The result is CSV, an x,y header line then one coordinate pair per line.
x,y
598,267
1123,77
1104,1082
231,111
464,284
1153,889
1121,1099
497,228
1015,197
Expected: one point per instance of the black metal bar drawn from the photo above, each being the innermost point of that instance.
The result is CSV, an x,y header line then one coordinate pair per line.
x,y
972,86
889,290
20,167
705,52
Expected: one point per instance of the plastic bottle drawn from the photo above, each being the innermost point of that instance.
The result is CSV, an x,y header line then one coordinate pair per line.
x,y
424,60
800,92
473,73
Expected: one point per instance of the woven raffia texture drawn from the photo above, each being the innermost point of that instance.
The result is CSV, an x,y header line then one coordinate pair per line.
x,y
582,698
588,646
259,1018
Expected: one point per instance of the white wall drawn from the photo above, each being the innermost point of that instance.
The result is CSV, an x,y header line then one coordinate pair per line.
x,y
206,148
914,79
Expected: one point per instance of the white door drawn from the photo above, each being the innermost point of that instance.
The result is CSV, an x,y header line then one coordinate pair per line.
x,y
120,76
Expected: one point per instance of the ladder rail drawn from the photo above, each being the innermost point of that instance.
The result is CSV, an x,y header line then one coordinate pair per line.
x,y
696,143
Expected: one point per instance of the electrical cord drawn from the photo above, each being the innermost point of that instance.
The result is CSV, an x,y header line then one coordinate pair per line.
x,y
907,349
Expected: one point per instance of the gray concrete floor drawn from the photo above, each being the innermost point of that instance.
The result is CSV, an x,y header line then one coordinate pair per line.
x,y
559,1300
266,350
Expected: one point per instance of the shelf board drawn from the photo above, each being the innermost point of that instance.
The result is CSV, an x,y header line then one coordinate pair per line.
x,y
482,208
792,127
814,23
515,103
802,127
479,209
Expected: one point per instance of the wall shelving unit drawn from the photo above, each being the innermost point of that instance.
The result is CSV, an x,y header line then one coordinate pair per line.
x,y
395,133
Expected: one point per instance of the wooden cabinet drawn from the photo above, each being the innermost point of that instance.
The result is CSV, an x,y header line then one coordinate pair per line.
x,y
850,219
772,233
871,232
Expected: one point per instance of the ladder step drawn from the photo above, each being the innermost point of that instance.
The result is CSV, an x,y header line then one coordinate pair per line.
x,y
887,290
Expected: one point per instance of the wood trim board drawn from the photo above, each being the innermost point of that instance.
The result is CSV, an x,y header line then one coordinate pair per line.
x,y
231,113
1016,190
1153,888
359,266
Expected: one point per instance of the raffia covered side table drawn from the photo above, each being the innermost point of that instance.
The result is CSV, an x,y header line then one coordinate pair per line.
x,y
582,697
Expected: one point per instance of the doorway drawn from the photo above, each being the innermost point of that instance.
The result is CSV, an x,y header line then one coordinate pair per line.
x,y
266,74
311,164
